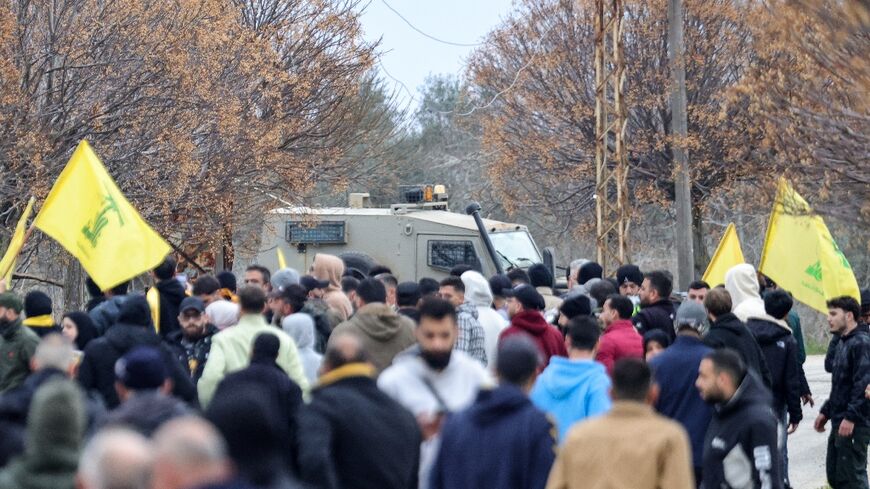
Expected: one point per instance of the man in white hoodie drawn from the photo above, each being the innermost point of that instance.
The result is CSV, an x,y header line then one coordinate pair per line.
x,y
477,292
741,282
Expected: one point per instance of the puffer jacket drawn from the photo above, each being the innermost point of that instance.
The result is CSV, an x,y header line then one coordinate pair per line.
x,y
383,332
780,352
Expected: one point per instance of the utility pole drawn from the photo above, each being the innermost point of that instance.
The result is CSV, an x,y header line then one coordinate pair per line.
x,y
682,183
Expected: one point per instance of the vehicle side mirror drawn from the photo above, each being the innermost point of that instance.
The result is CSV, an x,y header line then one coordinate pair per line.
x,y
550,261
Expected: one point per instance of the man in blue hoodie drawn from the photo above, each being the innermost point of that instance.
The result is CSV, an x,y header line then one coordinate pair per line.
x,y
574,388
502,441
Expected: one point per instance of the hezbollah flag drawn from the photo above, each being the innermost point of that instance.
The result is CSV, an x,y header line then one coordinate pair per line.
x,y
727,254
800,254
7,263
89,216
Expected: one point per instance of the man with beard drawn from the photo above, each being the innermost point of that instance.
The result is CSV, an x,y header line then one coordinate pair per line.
x,y
432,379
657,310
17,343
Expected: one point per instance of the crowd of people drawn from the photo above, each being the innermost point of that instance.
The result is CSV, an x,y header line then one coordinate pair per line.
x,y
343,378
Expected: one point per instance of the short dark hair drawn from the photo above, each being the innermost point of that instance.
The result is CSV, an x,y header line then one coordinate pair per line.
x,y
632,378
728,361
227,280
583,333
436,308
295,295
622,305
847,304
660,281
498,283
454,282
428,286
519,275
698,285
252,299
540,276
349,283
778,303
388,280
379,270
601,290
518,359
371,290
407,294
458,270
166,269
267,275
575,306
206,285
718,302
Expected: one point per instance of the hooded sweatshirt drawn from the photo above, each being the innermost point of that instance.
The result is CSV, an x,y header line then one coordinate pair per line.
x,y
780,352
571,391
331,268
741,282
501,425
300,327
550,341
729,332
171,295
477,292
55,428
383,332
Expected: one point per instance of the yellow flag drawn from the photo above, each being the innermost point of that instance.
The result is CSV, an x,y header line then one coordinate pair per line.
x,y
89,216
727,254
282,262
800,254
7,263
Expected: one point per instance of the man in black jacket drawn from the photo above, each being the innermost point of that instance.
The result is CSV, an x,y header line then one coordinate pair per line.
x,y
352,434
780,352
740,449
847,407
657,310
727,331
192,342
133,328
170,293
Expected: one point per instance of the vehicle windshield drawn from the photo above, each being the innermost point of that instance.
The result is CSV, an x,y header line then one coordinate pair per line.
x,y
515,249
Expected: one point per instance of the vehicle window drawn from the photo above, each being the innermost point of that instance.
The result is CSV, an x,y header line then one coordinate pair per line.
x,y
447,254
515,249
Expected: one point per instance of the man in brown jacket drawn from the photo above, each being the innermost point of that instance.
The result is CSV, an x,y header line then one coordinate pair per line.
x,y
383,332
631,446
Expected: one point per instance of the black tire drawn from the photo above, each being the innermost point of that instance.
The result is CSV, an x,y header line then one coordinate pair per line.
x,y
358,260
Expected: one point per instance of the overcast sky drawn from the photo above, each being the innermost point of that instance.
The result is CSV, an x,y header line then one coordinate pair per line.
x,y
410,56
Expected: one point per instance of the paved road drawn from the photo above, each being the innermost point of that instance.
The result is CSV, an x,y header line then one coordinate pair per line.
x,y
806,448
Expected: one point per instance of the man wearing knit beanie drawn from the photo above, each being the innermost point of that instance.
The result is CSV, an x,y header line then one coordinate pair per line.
x,y
37,312
17,343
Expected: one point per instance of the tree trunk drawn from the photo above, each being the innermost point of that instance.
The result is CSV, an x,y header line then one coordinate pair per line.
x,y
702,257
73,297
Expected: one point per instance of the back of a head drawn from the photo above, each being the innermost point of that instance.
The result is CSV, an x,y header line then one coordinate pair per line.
x,y
583,333
371,291
622,305
142,368
117,458
778,303
690,315
458,270
53,351
498,284
227,280
728,361
437,309
576,306
166,270
344,349
601,290
265,348
661,283
588,271
190,443
540,276
300,327
428,286
518,360
135,311
349,284
518,276
206,285
407,294
56,420
252,299
37,303
632,380
718,302
741,281
379,270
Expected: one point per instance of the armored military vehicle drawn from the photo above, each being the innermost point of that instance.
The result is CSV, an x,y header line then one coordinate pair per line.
x,y
418,237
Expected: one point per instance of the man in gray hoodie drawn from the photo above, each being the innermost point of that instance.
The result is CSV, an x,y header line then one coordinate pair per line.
x,y
383,332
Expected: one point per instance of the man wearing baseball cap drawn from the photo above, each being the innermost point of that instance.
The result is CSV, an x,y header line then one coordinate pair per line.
x,y
525,308
17,343
192,343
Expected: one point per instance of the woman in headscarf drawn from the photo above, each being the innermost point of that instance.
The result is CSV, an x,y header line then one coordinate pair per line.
x,y
331,268
78,327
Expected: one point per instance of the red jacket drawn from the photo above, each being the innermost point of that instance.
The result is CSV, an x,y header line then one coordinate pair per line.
x,y
550,341
620,340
